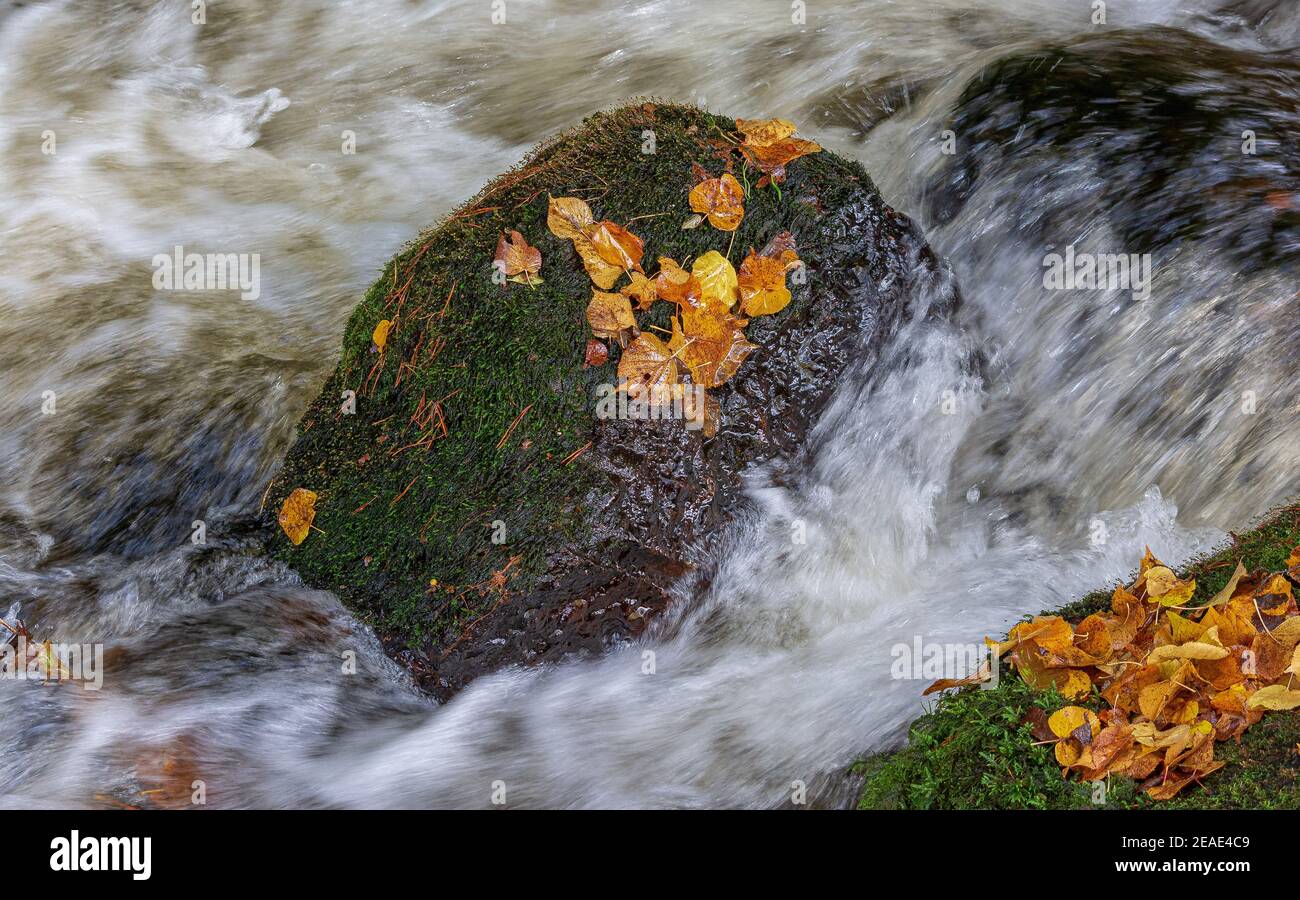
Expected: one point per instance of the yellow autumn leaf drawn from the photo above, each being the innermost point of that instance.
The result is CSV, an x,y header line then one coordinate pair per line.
x,y
641,289
1288,633
1202,649
1275,696
718,282
297,513
1294,668
1154,697
380,334
1165,587
1077,685
760,132
1230,588
568,217
1183,629
1067,752
1066,720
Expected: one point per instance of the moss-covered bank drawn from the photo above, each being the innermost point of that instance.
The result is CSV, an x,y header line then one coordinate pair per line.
x,y
474,453
974,750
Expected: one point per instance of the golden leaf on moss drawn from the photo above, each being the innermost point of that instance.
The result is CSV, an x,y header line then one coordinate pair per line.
x,y
570,218
647,367
721,200
616,245
297,513
380,334
641,289
610,316
517,259
770,146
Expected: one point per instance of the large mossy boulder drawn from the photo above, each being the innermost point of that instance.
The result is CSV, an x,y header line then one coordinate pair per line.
x,y
474,509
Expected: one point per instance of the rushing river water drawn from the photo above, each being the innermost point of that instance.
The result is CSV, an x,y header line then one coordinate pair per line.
x,y
941,505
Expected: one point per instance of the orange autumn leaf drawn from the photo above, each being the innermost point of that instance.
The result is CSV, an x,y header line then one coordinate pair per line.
x,y
762,282
711,347
518,260
721,200
297,513
770,146
571,218
675,284
616,245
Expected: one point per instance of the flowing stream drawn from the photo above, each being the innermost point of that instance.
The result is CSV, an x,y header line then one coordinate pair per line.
x,y
942,505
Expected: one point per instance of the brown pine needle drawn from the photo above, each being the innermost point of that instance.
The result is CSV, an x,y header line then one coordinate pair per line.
x,y
402,494
576,453
513,425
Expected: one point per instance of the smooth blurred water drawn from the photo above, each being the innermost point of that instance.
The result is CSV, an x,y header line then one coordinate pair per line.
x,y
173,407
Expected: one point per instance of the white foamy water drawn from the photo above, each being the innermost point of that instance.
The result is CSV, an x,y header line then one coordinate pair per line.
x,y
226,137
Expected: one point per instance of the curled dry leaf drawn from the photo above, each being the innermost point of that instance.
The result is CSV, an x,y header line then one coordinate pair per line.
x,y
721,200
517,259
297,513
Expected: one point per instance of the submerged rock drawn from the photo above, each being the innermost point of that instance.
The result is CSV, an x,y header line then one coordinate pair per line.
x,y
474,508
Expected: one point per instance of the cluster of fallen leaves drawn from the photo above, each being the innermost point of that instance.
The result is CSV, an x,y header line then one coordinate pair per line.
x,y
1177,678
713,301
